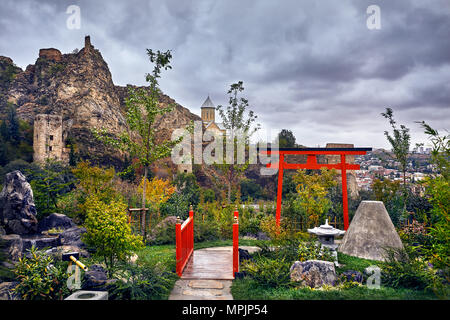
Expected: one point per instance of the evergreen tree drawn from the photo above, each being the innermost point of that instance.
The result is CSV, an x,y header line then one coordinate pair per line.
x,y
286,139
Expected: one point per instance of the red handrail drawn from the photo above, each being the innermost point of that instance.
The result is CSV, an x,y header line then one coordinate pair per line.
x,y
236,243
184,241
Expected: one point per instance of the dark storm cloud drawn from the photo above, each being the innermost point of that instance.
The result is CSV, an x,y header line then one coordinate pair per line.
x,y
309,66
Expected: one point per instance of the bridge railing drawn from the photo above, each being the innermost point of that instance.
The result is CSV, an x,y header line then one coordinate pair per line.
x,y
184,241
236,243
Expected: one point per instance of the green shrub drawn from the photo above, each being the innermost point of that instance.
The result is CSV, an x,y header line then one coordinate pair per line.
x,y
404,269
268,272
108,231
49,183
205,230
250,221
208,195
93,181
312,250
177,205
217,220
163,233
56,68
39,278
279,250
278,234
415,234
224,219
68,204
250,189
143,282
344,283
187,184
438,189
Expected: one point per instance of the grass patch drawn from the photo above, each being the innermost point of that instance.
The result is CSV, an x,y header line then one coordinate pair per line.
x,y
162,254
248,289
347,262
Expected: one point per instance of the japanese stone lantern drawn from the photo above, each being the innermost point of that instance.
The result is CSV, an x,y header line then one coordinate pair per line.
x,y
326,234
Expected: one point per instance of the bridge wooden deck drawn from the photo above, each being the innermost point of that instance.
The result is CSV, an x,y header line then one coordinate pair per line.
x,y
210,263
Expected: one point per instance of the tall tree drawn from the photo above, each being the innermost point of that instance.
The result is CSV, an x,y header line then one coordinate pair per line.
x,y
142,110
400,143
286,139
240,126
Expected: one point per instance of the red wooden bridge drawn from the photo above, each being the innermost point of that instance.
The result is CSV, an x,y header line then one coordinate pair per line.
x,y
217,264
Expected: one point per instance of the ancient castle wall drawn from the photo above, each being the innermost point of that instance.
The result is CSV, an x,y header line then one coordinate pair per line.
x,y
50,54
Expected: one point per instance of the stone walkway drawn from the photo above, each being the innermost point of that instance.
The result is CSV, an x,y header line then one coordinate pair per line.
x,y
205,289
201,290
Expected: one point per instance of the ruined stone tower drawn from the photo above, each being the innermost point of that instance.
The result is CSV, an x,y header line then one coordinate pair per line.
x,y
47,139
88,47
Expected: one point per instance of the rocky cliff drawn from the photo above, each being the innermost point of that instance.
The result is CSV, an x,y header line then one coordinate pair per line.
x,y
79,87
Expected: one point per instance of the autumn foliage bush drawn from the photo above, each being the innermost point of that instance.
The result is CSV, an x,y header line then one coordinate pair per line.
x,y
109,232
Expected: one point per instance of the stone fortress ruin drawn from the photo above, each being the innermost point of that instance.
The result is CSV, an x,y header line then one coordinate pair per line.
x,y
48,139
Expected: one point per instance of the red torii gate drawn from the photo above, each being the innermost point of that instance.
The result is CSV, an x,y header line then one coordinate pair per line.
x,y
311,163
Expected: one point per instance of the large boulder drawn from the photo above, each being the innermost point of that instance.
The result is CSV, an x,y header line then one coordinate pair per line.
x,y
55,220
163,231
313,273
17,209
40,242
72,237
96,279
370,233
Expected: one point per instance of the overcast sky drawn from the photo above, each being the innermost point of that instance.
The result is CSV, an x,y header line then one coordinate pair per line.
x,y
313,67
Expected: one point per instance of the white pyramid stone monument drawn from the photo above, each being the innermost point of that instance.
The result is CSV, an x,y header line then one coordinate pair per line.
x,y
370,232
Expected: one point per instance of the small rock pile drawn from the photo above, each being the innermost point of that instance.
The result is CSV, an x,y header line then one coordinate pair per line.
x,y
314,273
